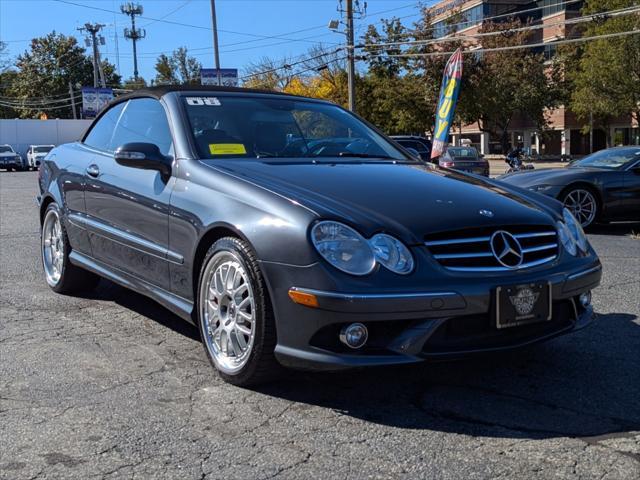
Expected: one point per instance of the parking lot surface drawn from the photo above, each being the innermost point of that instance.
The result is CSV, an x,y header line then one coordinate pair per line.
x,y
111,385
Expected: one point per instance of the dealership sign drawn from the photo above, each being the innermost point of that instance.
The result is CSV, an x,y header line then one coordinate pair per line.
x,y
447,103
94,100
228,76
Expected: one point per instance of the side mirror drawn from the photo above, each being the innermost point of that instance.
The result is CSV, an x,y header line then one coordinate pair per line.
x,y
145,156
413,152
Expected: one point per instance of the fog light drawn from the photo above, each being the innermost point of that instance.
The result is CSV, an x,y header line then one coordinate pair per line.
x,y
354,335
585,299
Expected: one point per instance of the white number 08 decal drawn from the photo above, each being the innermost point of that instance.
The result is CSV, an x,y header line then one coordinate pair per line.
x,y
199,101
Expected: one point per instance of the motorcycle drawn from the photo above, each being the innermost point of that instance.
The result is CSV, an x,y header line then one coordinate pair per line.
x,y
516,161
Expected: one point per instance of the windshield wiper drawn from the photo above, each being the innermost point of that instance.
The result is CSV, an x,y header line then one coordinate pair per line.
x,y
365,155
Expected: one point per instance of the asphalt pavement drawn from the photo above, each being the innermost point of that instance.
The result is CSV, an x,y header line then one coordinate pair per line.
x,y
111,385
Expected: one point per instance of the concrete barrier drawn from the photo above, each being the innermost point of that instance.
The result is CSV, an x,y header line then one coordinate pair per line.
x,y
21,133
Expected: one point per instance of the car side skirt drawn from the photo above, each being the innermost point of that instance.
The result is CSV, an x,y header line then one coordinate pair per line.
x,y
178,305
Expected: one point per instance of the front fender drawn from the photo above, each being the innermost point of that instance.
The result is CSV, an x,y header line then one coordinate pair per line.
x,y
205,199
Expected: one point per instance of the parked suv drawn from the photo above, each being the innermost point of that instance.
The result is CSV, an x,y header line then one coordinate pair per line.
x,y
36,153
9,159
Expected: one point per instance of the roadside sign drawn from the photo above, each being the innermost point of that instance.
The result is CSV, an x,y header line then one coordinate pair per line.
x,y
228,76
94,100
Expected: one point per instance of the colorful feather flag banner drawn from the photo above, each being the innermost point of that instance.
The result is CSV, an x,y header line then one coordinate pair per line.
x,y
447,103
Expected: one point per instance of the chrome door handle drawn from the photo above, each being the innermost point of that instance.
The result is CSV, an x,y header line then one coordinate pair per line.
x,y
93,170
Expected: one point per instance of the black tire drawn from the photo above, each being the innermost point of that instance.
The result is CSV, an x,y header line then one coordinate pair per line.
x,y
261,365
72,278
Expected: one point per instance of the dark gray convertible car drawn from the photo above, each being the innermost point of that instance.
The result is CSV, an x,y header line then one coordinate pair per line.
x,y
293,233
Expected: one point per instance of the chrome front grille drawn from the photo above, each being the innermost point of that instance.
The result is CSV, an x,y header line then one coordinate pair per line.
x,y
471,251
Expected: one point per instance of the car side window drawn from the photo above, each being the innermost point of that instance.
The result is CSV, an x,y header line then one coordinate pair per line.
x,y
102,131
143,120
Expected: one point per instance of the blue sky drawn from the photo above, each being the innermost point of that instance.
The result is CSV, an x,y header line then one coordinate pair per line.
x,y
238,20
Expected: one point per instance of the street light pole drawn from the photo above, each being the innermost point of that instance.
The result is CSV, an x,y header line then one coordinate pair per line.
x,y
351,67
216,53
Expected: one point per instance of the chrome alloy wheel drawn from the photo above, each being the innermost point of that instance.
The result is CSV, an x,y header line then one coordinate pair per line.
x,y
583,206
227,310
52,247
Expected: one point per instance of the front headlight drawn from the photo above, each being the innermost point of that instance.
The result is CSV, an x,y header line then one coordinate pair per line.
x,y
343,247
347,250
576,230
567,239
392,253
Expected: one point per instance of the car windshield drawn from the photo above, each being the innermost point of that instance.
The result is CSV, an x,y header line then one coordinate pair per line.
x,y
5,149
610,159
42,149
227,126
462,152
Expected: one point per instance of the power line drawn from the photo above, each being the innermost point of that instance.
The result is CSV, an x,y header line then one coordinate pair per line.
x,y
287,66
493,17
171,22
180,7
510,47
454,38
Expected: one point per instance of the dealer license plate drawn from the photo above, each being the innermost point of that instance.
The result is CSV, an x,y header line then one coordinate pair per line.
x,y
523,304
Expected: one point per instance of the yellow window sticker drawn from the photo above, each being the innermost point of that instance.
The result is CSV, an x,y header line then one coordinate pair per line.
x,y
227,149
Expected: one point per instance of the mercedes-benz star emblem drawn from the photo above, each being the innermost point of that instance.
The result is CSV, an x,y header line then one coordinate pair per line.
x,y
524,301
506,249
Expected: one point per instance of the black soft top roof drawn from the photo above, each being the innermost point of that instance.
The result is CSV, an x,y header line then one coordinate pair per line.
x,y
160,91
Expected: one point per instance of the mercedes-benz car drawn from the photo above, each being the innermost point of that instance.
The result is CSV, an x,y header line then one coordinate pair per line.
x,y
601,187
293,233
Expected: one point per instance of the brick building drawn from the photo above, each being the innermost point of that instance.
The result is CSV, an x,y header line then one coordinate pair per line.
x,y
565,136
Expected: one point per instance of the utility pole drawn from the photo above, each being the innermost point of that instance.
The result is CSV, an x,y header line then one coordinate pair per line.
x,y
92,29
351,65
134,34
590,132
216,53
73,101
353,8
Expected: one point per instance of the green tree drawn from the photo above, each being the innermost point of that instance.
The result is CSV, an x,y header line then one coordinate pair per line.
x,y
268,74
507,84
179,68
7,77
605,73
392,94
45,71
133,84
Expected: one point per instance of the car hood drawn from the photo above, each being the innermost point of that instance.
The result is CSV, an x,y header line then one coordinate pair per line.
x,y
409,200
8,154
547,176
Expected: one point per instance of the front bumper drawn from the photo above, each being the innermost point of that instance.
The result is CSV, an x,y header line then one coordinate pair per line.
x,y
449,318
10,164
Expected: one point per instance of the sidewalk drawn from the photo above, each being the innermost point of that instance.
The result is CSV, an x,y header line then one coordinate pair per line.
x,y
499,166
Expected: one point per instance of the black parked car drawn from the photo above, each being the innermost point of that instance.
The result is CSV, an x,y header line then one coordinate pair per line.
x,y
249,214
465,159
604,186
421,145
